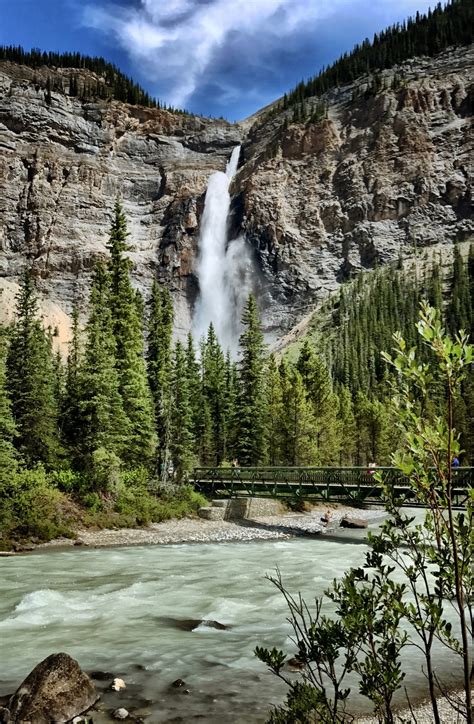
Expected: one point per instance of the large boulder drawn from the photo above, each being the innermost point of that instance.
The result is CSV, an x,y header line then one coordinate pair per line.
x,y
350,521
56,690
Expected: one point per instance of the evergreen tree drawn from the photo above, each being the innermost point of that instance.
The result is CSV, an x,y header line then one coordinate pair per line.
x,y
372,424
251,401
230,408
214,391
31,381
274,408
317,383
103,424
194,381
8,456
71,410
346,427
298,427
129,353
181,440
159,365
460,308
205,442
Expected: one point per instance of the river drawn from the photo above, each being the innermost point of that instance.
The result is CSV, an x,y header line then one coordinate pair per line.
x,y
127,610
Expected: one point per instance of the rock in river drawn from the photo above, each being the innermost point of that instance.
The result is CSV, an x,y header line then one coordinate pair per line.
x,y
350,522
120,713
56,690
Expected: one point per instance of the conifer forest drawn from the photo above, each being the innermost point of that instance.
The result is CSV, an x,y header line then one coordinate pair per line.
x,y
129,407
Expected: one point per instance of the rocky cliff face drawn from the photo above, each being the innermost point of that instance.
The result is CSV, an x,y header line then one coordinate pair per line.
x,y
61,167
387,171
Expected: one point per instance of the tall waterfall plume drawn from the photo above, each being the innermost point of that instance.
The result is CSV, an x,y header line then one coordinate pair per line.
x,y
225,268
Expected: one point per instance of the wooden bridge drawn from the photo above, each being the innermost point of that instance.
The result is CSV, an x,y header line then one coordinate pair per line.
x,y
352,486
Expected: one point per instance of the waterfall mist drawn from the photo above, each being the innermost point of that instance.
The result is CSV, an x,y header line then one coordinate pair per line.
x,y
225,268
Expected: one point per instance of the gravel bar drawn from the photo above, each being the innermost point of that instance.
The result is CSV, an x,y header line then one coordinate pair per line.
x,y
422,713
198,530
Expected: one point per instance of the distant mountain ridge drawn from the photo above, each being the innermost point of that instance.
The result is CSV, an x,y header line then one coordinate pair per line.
x,y
110,81
328,185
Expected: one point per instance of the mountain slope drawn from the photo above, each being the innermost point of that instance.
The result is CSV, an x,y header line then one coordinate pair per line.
x,y
386,170
352,178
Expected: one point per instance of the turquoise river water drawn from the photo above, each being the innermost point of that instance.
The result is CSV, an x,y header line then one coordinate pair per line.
x,y
126,611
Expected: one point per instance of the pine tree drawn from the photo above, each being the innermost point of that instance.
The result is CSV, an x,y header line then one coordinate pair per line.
x,y
298,428
214,390
196,399
230,403
274,412
347,427
31,381
372,425
251,400
460,309
103,424
317,383
8,456
71,411
129,353
159,365
181,440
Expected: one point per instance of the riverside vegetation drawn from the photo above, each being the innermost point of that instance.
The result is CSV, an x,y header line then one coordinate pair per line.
x,y
413,575
83,441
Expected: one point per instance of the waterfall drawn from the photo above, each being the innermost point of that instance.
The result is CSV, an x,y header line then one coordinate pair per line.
x,y
224,267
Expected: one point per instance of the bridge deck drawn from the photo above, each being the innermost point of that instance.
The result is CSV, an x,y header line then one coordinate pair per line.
x,y
348,485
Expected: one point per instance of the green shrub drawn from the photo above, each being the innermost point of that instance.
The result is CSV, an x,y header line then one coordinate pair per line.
x,y
92,501
138,477
105,470
33,508
67,481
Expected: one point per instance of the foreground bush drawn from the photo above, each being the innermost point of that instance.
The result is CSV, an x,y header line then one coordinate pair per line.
x,y
414,577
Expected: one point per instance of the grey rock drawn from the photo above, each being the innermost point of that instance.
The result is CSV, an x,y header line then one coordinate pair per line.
x,y
56,690
120,713
384,174
178,684
350,521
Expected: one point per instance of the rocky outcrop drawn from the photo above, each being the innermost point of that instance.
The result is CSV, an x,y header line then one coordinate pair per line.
x,y
57,690
63,163
386,172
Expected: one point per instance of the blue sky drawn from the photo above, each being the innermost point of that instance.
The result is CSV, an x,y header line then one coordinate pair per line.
x,y
216,57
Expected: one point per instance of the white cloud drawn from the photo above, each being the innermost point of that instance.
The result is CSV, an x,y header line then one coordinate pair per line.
x,y
174,42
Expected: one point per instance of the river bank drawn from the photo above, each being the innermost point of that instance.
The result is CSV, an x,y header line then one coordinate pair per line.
x,y
422,712
197,530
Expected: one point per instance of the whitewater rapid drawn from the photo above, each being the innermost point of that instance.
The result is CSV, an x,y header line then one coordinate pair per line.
x,y
121,610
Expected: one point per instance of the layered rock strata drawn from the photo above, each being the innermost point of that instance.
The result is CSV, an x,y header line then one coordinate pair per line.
x,y
386,172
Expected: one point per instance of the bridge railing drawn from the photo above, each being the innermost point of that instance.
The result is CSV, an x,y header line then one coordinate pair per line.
x,y
350,484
